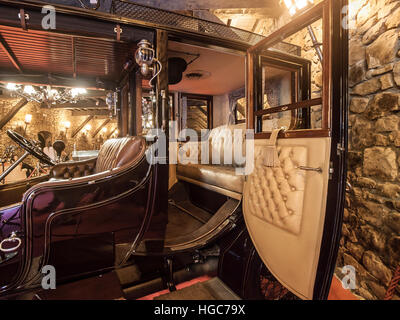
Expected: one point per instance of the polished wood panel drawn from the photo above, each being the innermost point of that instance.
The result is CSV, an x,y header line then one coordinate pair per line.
x,y
327,64
250,99
309,133
291,106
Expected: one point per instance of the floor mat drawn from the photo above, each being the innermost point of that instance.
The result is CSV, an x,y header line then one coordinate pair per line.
x,y
213,289
180,223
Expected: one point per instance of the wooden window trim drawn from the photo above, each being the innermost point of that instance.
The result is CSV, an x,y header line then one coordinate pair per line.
x,y
322,11
210,106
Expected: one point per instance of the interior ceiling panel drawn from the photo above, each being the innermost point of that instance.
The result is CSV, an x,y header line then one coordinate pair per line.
x,y
227,70
51,53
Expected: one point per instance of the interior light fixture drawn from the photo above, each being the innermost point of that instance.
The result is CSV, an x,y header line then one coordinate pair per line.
x,y
11,86
46,94
28,118
297,5
29,90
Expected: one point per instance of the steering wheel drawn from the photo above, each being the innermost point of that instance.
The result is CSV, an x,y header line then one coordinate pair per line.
x,y
30,146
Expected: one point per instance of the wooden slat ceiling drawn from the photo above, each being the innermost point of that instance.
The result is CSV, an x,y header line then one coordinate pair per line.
x,y
51,53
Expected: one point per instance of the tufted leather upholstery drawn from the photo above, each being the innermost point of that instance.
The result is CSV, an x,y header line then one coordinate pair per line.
x,y
68,170
276,193
291,249
216,173
113,154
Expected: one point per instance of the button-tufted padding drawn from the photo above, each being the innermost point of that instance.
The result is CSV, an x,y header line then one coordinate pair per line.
x,y
220,172
276,194
68,170
113,154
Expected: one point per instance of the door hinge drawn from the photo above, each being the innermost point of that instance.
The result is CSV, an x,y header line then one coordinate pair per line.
x,y
340,149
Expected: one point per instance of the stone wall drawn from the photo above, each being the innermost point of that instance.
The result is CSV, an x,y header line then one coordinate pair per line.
x,y
371,231
51,120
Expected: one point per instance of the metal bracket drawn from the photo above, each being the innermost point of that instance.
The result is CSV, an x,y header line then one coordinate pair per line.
x,y
23,17
118,30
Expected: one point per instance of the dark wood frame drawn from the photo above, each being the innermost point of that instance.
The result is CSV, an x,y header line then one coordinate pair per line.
x,y
334,118
236,119
210,106
318,11
301,85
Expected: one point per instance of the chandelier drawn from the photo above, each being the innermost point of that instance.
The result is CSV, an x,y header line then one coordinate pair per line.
x,y
47,94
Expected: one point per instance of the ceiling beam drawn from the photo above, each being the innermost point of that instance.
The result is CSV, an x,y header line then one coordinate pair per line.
x,y
11,56
12,112
102,113
82,125
57,80
180,5
255,25
101,127
112,132
83,104
262,13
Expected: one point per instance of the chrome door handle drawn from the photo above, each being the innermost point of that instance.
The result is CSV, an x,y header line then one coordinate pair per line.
x,y
319,170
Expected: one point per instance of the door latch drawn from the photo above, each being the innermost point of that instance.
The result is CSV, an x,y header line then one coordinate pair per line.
x,y
340,149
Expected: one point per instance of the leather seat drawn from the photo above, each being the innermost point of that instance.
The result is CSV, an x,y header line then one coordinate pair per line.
x,y
221,177
218,176
114,153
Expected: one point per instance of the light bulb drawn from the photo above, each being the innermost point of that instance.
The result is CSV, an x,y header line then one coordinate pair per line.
x,y
67,124
29,90
288,3
77,91
11,86
300,4
28,118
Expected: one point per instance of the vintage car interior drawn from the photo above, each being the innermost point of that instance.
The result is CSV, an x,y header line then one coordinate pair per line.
x,y
138,222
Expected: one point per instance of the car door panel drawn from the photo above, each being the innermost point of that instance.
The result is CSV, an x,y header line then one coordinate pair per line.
x,y
284,209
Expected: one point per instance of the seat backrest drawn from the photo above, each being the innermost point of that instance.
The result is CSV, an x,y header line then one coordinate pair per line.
x,y
222,139
118,152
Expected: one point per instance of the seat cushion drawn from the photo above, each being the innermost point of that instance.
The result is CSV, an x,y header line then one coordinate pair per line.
x,y
116,153
220,176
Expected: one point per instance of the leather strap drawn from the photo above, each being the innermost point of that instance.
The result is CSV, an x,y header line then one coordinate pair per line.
x,y
271,158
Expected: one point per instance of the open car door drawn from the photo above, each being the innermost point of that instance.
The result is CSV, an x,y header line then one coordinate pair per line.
x,y
293,211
